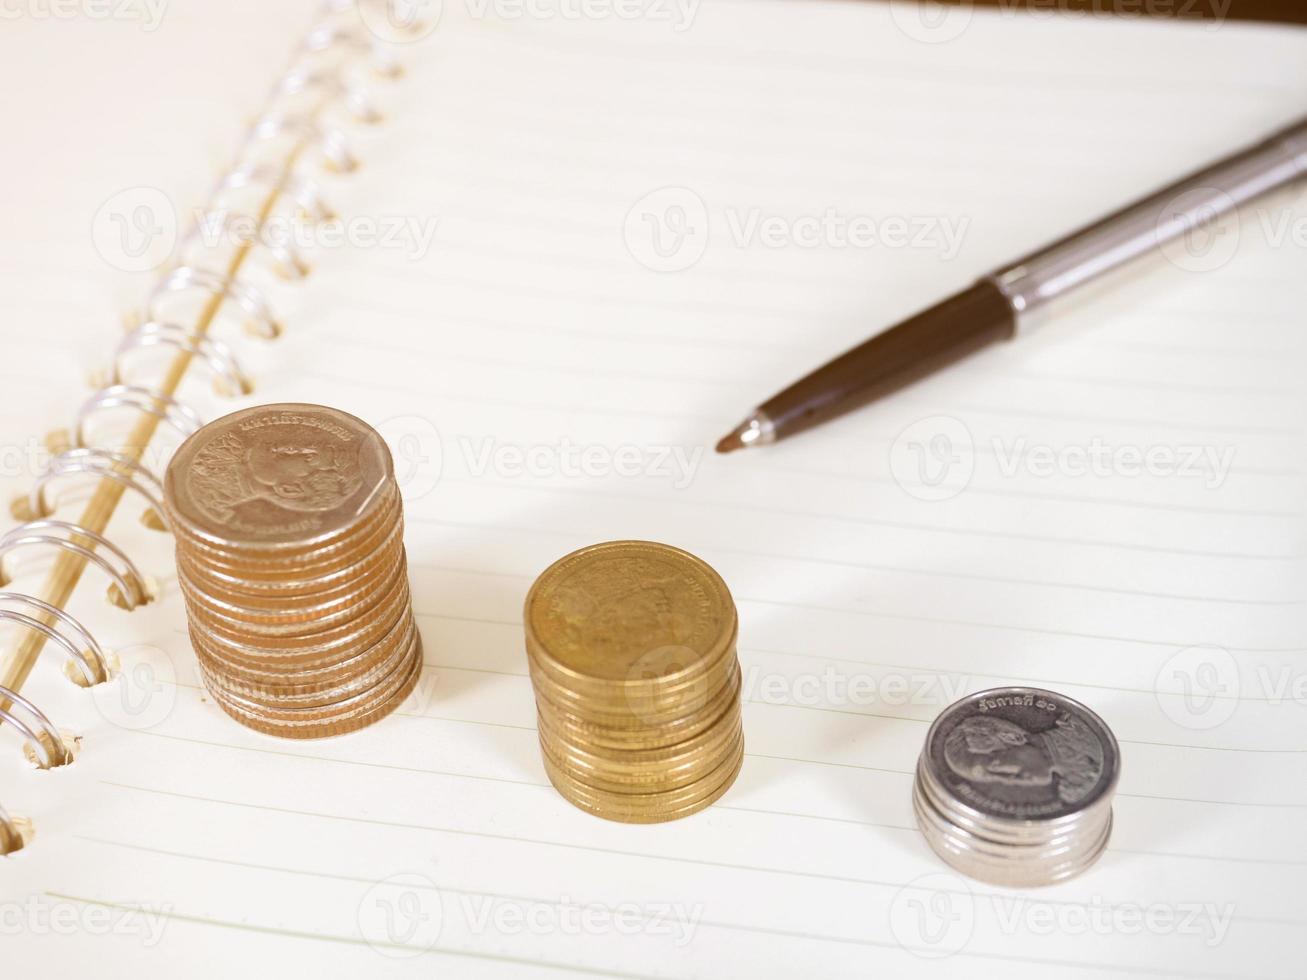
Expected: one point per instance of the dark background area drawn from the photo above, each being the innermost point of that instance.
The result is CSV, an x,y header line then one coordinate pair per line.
x,y
1286,11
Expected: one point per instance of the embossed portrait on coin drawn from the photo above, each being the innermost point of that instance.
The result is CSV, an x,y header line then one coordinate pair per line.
x,y
624,602
986,749
303,473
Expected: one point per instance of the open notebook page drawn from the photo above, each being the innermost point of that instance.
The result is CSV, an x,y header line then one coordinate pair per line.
x,y
555,363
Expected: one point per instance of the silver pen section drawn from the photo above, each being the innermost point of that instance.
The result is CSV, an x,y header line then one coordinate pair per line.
x,y
1190,204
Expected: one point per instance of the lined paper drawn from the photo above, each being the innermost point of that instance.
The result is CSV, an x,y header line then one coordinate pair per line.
x,y
544,388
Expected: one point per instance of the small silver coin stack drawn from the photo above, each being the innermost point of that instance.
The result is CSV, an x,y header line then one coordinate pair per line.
x,y
1014,786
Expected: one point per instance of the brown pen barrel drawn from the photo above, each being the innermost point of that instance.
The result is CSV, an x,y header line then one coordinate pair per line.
x,y
920,345
995,307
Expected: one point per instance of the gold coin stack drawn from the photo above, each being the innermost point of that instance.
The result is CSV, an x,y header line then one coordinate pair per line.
x,y
631,647
290,555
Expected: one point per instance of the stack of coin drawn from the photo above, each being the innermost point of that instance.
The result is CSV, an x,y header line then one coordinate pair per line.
x,y
290,556
1014,786
631,647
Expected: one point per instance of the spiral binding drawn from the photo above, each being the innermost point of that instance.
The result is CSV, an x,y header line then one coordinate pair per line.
x,y
129,584
223,222
303,192
178,415
340,35
11,838
103,465
190,278
88,654
336,34
46,744
228,377
307,79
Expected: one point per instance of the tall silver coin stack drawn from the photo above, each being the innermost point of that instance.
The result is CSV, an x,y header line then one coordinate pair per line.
x,y
1014,786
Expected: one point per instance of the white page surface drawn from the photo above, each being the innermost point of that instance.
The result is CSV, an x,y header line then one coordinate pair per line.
x,y
1115,512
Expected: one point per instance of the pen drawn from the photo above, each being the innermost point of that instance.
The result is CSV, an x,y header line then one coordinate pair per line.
x,y
999,306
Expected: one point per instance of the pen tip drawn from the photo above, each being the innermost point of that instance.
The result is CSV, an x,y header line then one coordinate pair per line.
x,y
756,430
730,443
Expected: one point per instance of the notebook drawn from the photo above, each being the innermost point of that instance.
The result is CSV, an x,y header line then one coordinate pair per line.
x,y
579,244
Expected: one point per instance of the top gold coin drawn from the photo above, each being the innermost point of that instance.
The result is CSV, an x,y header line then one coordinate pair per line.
x,y
277,475
630,612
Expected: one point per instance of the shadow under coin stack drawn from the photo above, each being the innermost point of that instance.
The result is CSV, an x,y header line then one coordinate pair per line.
x,y
631,647
1015,786
290,556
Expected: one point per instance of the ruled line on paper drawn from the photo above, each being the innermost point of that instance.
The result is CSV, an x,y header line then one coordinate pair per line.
x,y
751,651
894,569
356,941
463,774
370,303
566,845
797,760
718,380
527,277
860,520
604,971
1262,920
944,407
843,65
731,305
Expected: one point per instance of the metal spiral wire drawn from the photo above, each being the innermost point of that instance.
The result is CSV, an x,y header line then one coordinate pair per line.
x,y
103,465
38,731
250,300
224,223
11,838
229,379
81,647
129,584
340,36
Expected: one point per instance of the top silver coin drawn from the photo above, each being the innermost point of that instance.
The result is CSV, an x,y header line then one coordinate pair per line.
x,y
1021,753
